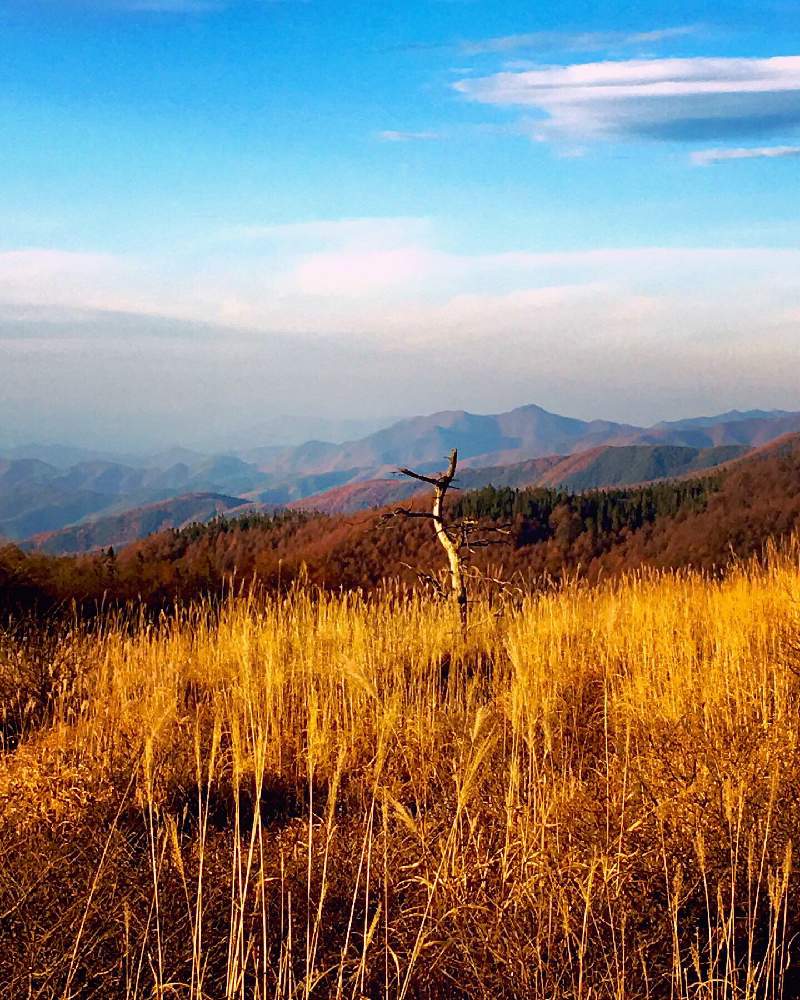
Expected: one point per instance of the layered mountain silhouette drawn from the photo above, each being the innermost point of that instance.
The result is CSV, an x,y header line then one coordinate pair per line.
x,y
704,520
45,489
524,433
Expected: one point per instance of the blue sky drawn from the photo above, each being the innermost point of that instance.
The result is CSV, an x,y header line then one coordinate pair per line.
x,y
218,211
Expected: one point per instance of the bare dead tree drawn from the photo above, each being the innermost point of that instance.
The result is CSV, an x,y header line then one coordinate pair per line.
x,y
456,537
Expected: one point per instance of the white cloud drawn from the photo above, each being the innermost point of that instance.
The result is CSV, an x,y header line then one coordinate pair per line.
x,y
471,131
58,277
387,280
652,98
392,135
361,274
586,41
706,157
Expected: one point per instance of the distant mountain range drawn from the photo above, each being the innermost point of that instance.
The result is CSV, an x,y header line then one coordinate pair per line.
x,y
519,435
51,490
728,514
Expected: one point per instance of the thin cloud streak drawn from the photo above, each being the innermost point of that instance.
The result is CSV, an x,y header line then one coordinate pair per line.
x,y
393,135
589,41
386,289
556,41
454,133
707,157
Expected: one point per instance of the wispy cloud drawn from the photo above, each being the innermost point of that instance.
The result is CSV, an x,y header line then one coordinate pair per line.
x,y
56,277
372,232
393,135
387,278
670,99
586,41
470,130
560,41
576,330
707,157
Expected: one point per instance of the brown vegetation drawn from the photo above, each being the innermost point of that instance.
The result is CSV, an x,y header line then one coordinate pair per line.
x,y
753,500
593,796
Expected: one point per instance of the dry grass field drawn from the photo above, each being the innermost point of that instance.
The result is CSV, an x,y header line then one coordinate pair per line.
x,y
594,796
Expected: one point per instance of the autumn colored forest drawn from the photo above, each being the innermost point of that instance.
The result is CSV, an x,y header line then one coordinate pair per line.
x,y
702,522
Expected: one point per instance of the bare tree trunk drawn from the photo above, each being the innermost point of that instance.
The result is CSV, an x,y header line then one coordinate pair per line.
x,y
440,486
457,581
455,538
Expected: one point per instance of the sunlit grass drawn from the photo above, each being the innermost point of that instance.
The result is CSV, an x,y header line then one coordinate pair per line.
x,y
593,796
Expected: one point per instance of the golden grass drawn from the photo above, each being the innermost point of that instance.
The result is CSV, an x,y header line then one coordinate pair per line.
x,y
594,796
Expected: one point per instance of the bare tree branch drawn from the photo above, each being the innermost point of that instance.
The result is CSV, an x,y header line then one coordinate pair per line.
x,y
484,543
416,475
406,512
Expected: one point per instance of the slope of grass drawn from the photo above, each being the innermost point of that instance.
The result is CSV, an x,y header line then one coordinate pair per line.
x,y
323,795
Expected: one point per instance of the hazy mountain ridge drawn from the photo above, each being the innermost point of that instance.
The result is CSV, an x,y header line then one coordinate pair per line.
x,y
748,431
124,528
731,416
39,496
524,433
704,521
519,435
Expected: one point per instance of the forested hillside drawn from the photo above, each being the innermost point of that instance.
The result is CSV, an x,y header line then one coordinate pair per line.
x,y
119,529
625,465
701,521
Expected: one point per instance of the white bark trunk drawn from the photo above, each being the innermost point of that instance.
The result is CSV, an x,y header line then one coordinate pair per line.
x,y
457,582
